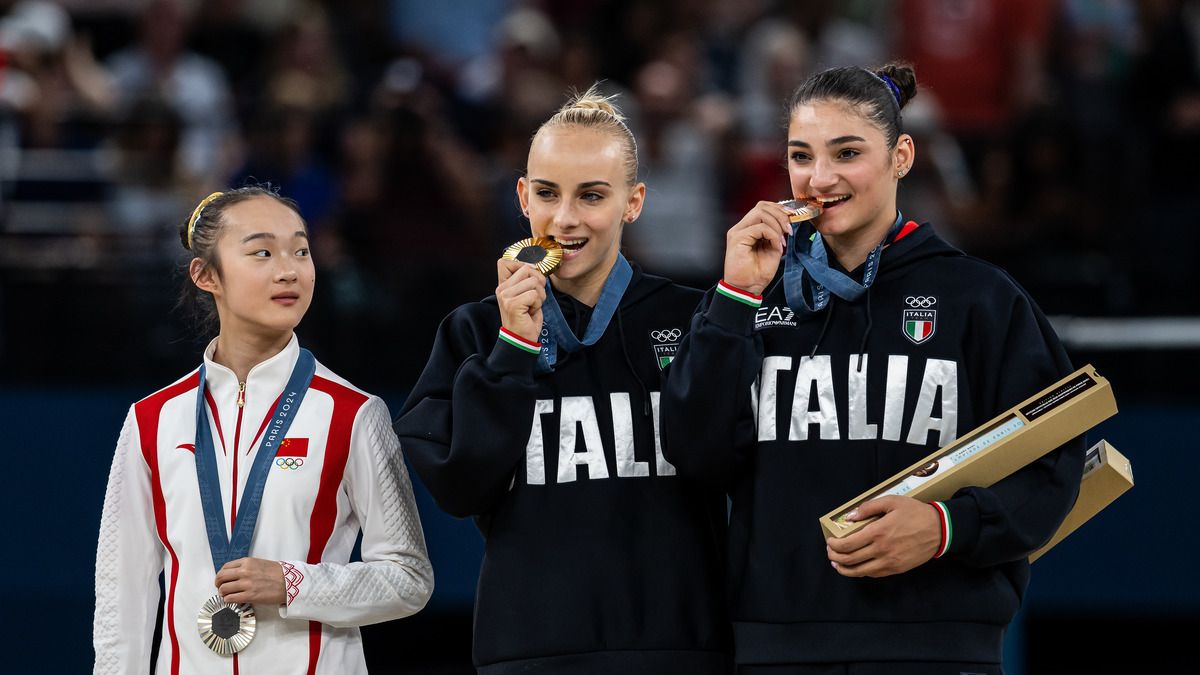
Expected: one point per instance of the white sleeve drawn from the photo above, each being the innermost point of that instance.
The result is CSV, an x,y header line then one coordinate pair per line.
x,y
128,562
395,578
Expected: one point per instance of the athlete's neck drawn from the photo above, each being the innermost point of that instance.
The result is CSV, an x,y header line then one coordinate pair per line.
x,y
585,289
241,351
851,249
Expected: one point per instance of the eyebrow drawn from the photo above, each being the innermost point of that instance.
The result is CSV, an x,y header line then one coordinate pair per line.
x,y
582,186
833,141
268,235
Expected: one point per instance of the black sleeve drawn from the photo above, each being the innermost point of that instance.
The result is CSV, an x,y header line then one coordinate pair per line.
x,y
1019,514
708,420
465,424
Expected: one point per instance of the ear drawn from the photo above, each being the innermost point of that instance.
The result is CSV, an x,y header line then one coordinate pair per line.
x,y
523,194
204,276
905,155
637,198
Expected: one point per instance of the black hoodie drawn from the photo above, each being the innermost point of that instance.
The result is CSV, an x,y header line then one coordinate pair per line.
x,y
950,342
610,563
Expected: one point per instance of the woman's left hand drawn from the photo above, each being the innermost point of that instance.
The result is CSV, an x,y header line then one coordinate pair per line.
x,y
907,535
252,580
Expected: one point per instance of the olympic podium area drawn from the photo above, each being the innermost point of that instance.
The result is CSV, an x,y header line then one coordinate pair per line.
x,y
1118,596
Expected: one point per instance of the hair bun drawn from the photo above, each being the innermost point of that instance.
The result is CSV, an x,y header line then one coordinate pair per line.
x,y
904,77
592,99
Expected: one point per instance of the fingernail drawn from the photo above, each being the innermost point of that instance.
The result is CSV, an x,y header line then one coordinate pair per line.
x,y
835,565
853,515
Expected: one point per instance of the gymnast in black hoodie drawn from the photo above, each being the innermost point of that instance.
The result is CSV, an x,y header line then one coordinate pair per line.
x,y
538,415
875,343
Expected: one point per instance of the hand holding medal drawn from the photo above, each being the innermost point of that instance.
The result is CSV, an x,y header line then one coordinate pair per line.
x,y
754,246
521,290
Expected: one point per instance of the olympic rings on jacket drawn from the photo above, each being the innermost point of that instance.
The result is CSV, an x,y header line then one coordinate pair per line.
x,y
289,462
666,335
922,301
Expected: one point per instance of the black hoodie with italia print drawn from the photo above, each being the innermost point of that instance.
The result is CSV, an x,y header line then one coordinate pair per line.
x,y
804,412
598,558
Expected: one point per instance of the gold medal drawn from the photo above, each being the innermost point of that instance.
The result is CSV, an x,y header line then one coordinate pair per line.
x,y
800,210
542,252
226,628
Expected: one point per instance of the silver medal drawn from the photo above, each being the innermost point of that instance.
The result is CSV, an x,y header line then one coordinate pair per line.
x,y
226,628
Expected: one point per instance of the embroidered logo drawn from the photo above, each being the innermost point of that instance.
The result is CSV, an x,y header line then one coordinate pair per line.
x,y
920,320
665,343
291,453
772,317
291,579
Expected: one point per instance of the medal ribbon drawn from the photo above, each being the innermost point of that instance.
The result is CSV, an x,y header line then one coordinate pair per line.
x,y
223,547
556,332
812,266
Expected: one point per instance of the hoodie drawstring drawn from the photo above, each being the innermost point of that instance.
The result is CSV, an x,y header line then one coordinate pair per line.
x,y
824,326
862,347
629,363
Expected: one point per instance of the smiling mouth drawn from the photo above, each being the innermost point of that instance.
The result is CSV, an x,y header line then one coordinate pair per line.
x,y
571,247
831,202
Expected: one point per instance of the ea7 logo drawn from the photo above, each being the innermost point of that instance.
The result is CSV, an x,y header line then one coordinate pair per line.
x,y
770,317
665,343
919,323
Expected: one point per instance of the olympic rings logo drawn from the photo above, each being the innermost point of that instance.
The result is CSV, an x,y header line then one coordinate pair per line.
x,y
922,301
292,463
666,335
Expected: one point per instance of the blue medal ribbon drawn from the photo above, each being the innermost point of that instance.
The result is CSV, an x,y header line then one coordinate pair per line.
x,y
556,332
811,266
223,547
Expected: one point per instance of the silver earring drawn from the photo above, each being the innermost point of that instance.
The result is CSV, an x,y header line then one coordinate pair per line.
x,y
900,173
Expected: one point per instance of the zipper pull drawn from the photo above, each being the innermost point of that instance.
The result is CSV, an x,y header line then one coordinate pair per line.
x,y
241,394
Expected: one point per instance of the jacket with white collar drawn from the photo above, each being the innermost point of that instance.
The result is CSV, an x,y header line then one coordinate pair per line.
x,y
338,471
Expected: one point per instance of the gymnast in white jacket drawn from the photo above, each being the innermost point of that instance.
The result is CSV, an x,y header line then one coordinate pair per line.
x,y
246,482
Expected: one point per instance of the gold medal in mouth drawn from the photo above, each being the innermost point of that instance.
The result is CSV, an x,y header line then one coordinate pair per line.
x,y
541,252
800,210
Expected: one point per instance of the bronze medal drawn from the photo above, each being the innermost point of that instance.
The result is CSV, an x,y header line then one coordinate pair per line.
x,y
800,210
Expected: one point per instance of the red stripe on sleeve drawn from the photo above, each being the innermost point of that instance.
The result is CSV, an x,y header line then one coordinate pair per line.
x,y
346,404
148,411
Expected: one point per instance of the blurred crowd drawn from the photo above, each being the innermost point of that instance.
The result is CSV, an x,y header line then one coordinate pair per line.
x,y
1057,138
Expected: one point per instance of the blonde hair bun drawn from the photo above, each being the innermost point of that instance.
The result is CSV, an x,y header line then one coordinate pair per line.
x,y
592,99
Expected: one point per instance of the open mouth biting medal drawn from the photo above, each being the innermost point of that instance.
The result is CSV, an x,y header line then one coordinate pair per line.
x,y
800,210
542,252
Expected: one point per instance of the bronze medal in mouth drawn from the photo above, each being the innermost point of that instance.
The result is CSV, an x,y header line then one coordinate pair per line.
x,y
800,210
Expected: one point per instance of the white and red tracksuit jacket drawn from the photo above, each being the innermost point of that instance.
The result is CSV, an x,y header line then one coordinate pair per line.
x,y
339,470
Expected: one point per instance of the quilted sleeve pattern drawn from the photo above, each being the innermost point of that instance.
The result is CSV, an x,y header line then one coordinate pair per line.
x,y
128,561
395,578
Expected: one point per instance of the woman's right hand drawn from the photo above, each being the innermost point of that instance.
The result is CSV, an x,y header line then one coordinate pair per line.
x,y
754,246
520,293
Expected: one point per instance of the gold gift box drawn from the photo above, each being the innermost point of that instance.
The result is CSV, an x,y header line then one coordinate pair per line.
x,y
1011,440
1107,474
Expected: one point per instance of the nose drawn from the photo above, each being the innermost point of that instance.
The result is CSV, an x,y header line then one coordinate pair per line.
x,y
285,270
824,175
564,216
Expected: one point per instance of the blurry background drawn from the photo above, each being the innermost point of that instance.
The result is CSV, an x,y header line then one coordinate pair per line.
x,y
1059,139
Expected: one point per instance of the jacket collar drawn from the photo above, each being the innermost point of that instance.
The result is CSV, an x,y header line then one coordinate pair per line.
x,y
264,381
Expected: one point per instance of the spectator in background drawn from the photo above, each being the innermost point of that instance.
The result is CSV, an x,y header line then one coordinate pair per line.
x,y
150,187
160,65
680,136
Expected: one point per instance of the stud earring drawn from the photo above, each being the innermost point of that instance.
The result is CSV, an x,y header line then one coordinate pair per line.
x,y
900,173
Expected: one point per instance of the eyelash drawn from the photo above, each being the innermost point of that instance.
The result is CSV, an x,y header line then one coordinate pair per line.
x,y
845,153
303,253
591,197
